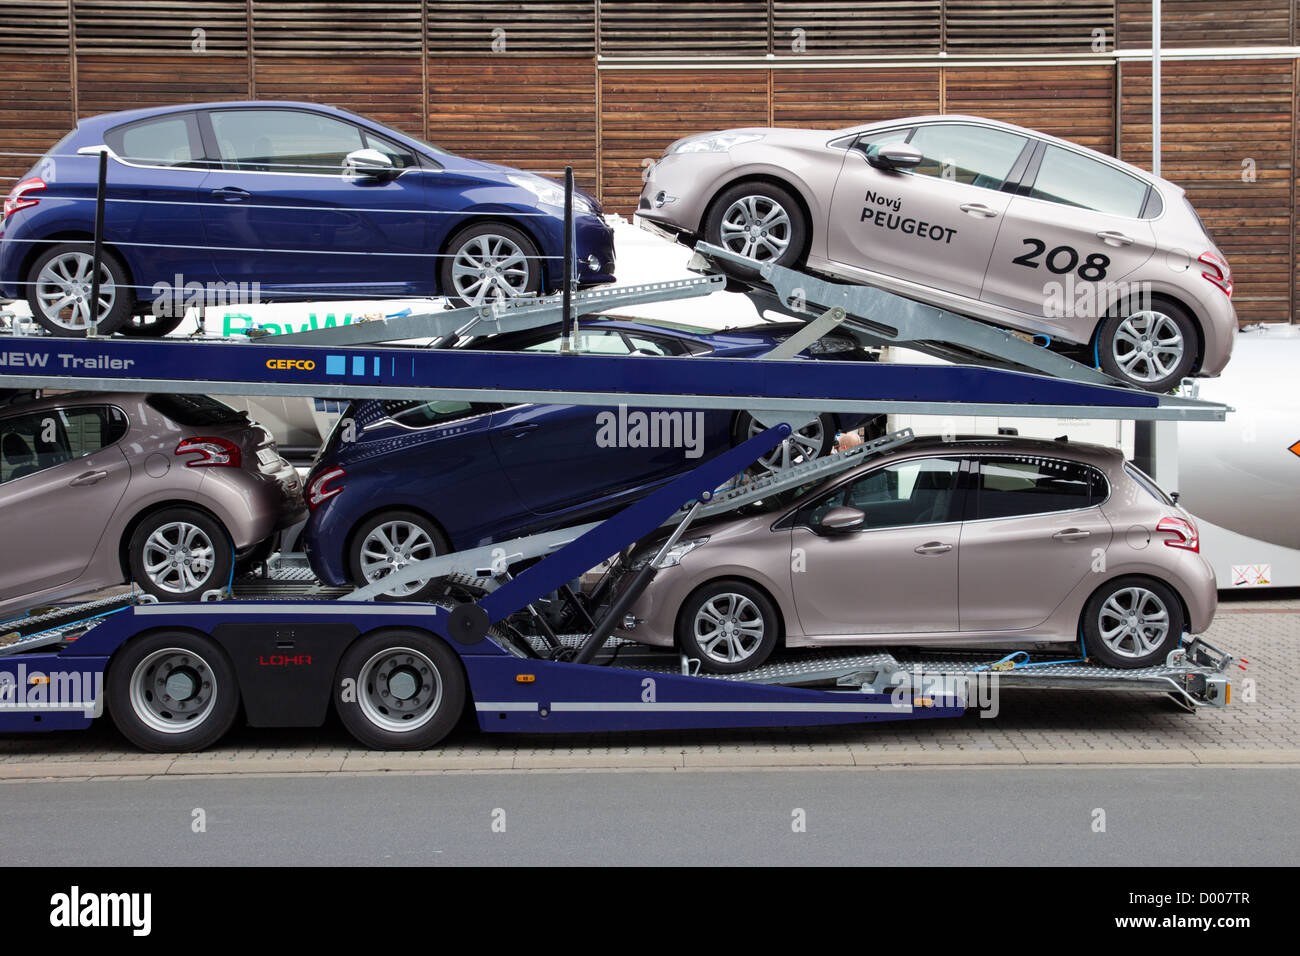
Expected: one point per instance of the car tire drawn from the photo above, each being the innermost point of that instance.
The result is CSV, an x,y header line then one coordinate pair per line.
x,y
1132,622
735,212
149,326
65,269
812,441
172,692
411,535
474,251
742,620
399,690
1137,346
211,554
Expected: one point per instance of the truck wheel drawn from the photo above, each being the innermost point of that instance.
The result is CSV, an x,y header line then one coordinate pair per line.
x,y
1132,622
399,690
172,692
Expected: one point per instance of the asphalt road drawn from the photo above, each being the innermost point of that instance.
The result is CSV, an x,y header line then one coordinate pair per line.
x,y
1195,816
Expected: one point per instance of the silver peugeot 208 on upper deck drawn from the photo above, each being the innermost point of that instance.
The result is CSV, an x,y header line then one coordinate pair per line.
x,y
983,218
940,543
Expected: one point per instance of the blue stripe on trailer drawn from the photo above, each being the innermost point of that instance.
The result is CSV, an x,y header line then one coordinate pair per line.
x,y
226,366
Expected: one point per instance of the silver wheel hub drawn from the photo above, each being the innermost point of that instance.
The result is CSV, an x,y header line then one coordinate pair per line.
x,y
172,690
399,689
179,557
728,628
63,288
1133,622
490,268
392,546
1148,346
757,227
804,444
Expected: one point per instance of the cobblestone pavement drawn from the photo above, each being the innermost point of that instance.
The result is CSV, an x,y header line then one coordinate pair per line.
x,y
1033,727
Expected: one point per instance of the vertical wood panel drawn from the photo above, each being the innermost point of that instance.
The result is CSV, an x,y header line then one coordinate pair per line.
x,y
531,113
111,83
1205,23
35,109
1074,102
385,90
1213,122
846,97
643,111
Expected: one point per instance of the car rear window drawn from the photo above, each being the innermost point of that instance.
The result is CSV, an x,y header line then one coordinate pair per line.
x,y
1147,483
1029,485
1075,180
195,411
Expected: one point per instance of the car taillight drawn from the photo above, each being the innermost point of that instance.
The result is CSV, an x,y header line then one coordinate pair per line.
x,y
18,198
210,452
320,491
1218,271
1182,533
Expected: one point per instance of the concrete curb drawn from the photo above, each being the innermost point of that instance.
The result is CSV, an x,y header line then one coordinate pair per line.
x,y
371,763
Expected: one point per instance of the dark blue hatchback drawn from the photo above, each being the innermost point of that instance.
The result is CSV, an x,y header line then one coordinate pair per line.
x,y
400,481
277,200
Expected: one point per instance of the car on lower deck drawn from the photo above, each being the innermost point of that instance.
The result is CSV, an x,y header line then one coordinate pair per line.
x,y
983,218
397,481
171,492
939,543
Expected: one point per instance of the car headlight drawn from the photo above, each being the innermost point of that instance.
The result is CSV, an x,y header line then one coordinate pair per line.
x,y
716,143
672,558
550,194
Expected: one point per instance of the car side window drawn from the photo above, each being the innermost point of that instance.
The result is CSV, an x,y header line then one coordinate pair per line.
x,y
428,414
870,143
906,493
1028,485
171,140
284,141
1071,179
971,155
39,440
402,158
591,341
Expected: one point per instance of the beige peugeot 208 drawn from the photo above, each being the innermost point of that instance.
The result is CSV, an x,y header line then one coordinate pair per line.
x,y
989,542
986,219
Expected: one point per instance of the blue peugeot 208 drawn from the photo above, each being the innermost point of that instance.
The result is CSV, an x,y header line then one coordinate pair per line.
x,y
277,200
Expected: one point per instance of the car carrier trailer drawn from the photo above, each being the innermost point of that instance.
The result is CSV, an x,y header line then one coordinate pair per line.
x,y
400,674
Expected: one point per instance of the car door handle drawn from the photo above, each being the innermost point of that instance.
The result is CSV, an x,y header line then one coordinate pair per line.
x,y
977,209
89,478
522,431
232,194
934,547
1071,534
1115,238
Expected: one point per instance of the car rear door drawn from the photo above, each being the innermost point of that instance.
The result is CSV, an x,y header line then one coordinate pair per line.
x,y
154,188
935,224
1072,235
62,476
281,212
898,573
1034,530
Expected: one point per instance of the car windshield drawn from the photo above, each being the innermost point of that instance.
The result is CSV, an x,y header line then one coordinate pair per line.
x,y
411,136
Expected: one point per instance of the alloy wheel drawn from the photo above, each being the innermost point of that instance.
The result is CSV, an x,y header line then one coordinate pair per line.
x,y
1133,622
1148,346
179,557
391,546
804,444
490,268
63,290
728,628
757,227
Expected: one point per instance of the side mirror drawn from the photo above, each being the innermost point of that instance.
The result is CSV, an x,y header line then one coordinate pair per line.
x,y
368,164
841,519
896,156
